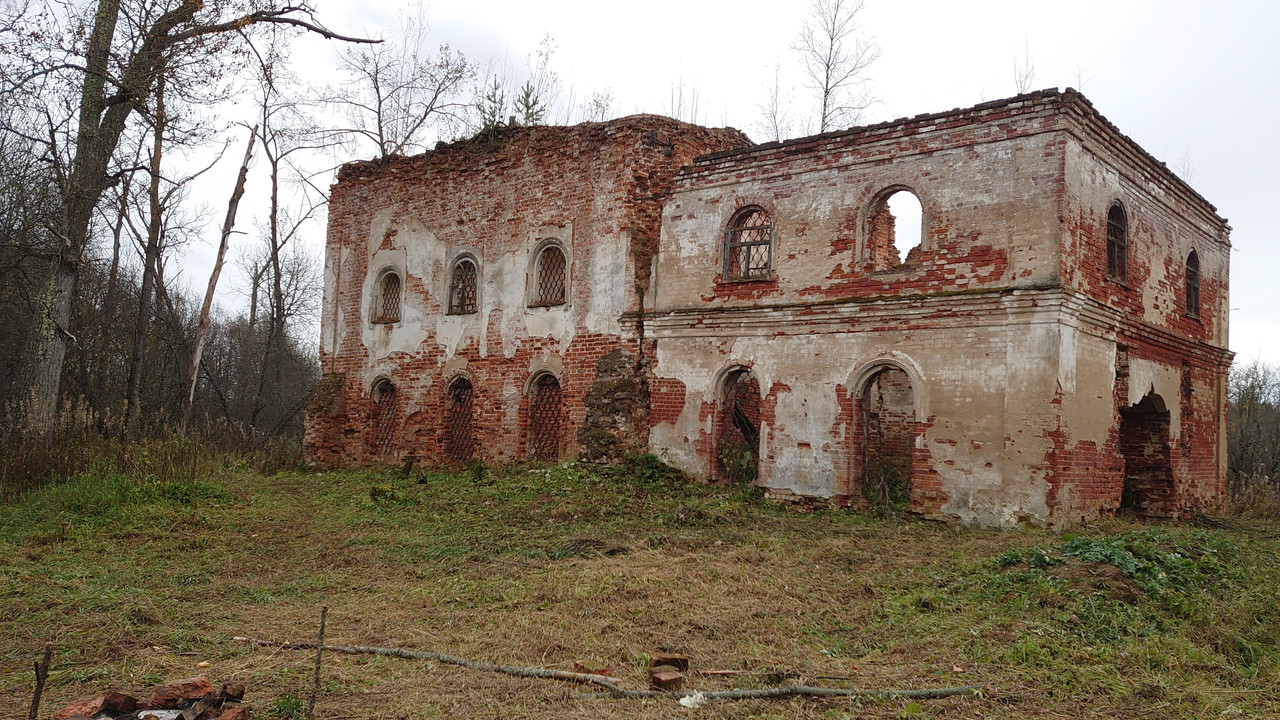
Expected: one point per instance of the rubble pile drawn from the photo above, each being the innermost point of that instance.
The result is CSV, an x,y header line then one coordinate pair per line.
x,y
185,699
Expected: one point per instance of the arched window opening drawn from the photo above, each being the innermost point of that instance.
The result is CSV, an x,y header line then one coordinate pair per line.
x,y
748,252
385,401
897,230
888,419
386,301
738,429
545,419
1193,285
549,277
459,441
462,288
1117,242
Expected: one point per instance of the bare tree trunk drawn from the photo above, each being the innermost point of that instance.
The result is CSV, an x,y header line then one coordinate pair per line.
x,y
277,292
150,267
193,372
84,186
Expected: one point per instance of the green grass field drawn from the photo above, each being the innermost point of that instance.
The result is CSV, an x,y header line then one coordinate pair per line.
x,y
135,579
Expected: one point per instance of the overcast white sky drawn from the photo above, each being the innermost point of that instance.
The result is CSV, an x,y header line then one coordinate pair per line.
x,y
1192,82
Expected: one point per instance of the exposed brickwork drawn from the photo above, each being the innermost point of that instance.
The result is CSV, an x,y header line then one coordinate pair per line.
x,y
594,189
1016,368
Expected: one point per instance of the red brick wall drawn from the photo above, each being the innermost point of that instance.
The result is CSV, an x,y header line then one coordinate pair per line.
x,y
606,181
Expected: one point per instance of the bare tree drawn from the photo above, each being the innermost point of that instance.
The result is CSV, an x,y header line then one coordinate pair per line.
x,y
775,116
684,101
836,60
1024,70
116,70
202,329
398,93
598,107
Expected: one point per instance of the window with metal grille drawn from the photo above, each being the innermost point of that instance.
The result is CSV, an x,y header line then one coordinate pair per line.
x,y
384,398
386,302
1193,285
549,277
545,419
462,288
1117,242
748,252
459,439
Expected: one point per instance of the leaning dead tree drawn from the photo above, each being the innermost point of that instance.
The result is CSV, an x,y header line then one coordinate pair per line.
x,y
202,330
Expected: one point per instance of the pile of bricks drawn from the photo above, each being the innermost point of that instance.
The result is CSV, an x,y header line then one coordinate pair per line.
x,y
186,699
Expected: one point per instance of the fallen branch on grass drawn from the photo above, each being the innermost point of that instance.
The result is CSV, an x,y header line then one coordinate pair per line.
x,y
603,681
787,691
610,684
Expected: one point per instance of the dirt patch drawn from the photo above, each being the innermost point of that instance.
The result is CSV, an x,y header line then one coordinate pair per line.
x,y
1099,578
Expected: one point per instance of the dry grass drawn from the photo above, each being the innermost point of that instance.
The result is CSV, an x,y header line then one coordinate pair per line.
x,y
549,568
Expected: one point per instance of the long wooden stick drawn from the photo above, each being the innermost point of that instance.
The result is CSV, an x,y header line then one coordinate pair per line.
x,y
603,681
315,680
42,674
610,684
786,691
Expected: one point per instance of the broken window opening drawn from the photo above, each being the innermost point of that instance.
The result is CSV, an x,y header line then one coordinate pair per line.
x,y
1117,242
888,440
1148,472
459,441
462,288
738,429
385,402
549,277
748,253
545,419
897,230
1193,285
386,303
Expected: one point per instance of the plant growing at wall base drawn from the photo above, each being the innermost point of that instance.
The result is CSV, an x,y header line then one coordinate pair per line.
x,y
887,487
739,462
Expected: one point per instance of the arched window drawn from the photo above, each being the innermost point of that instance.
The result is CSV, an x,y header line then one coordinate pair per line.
x,y
383,393
549,275
748,245
896,230
1193,285
545,416
1117,242
459,440
462,288
386,298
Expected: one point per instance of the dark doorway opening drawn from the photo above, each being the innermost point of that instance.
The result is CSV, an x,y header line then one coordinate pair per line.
x,y
738,429
888,440
1144,445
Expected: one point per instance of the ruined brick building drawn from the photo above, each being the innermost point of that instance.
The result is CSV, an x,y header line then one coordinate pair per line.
x,y
1052,348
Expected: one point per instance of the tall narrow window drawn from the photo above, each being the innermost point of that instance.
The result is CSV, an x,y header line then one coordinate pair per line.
x,y
1193,285
1117,242
545,418
549,277
459,440
383,394
462,288
748,247
386,301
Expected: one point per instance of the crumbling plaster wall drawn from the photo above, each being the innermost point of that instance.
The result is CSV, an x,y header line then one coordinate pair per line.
x,y
974,320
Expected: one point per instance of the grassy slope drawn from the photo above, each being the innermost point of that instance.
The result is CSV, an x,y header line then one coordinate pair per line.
x,y
547,568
